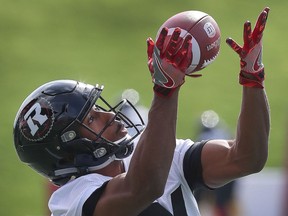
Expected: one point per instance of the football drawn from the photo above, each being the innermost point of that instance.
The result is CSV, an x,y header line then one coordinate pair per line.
x,y
205,33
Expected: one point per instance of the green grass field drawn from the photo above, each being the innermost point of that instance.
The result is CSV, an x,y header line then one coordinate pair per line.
x,y
105,42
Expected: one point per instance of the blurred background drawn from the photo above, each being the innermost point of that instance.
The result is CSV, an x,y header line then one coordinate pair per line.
x,y
104,42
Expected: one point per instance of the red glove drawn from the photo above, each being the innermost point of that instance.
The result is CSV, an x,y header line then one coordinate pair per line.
x,y
168,63
252,68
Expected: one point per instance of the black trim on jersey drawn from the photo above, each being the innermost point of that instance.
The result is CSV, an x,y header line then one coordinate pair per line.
x,y
90,204
178,203
192,166
155,209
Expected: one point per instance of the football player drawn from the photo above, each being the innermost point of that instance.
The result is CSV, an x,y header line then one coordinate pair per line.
x,y
69,133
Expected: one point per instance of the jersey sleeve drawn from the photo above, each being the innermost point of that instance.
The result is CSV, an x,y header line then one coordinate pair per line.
x,y
90,204
192,166
69,199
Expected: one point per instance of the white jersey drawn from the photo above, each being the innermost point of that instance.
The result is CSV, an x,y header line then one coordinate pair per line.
x,y
70,198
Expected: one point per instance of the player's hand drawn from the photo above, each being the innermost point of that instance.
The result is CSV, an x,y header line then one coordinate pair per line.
x,y
168,63
252,68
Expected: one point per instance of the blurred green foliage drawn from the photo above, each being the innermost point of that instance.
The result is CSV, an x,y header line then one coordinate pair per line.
x,y
104,42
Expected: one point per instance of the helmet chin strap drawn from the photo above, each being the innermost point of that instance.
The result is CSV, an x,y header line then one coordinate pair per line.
x,y
75,170
106,163
93,168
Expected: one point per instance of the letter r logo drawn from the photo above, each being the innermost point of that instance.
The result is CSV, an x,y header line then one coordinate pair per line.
x,y
31,117
36,120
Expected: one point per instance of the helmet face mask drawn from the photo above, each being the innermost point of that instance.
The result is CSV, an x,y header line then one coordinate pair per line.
x,y
118,116
48,130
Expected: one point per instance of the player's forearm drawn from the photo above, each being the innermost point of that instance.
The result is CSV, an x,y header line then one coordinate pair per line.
x,y
152,159
253,129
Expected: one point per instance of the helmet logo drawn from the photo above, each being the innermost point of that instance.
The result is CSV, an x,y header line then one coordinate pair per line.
x,y
36,123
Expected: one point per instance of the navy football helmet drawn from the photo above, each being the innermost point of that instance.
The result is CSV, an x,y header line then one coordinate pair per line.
x,y
47,131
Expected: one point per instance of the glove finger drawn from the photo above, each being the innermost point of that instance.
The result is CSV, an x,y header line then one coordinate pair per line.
x,y
234,45
150,47
261,21
150,66
267,9
173,44
260,25
161,39
247,36
183,57
181,52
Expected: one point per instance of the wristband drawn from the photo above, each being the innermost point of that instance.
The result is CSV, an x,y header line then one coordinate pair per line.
x,y
254,80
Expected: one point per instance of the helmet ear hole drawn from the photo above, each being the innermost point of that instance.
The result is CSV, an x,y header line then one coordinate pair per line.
x,y
64,162
83,160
